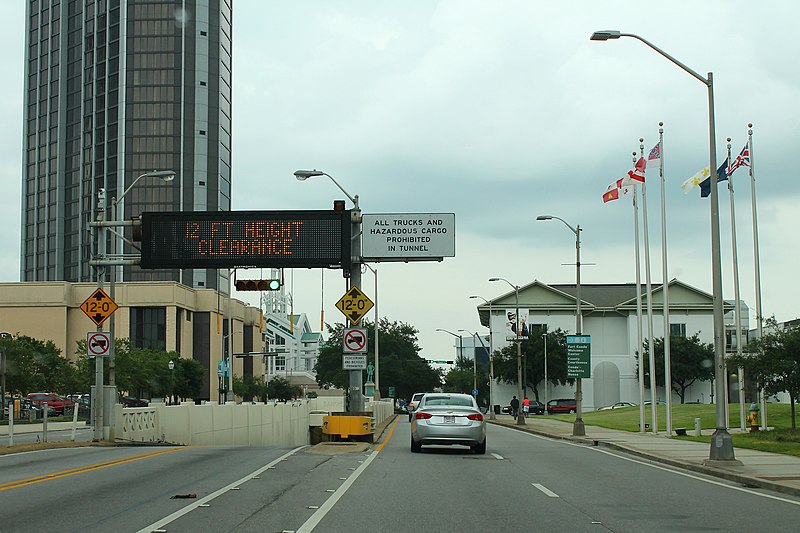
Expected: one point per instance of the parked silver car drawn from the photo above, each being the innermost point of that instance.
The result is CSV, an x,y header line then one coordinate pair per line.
x,y
445,418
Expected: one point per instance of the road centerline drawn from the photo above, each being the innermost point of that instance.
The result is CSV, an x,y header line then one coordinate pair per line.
x,y
545,490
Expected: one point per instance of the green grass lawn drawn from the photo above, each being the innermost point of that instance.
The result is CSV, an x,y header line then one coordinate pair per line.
x,y
781,440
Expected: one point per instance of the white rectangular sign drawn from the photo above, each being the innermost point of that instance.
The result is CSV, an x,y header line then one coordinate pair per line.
x,y
403,236
354,362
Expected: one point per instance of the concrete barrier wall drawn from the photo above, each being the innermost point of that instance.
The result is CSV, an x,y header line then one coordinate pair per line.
x,y
272,424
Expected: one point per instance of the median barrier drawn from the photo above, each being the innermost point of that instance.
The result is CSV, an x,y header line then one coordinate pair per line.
x,y
246,424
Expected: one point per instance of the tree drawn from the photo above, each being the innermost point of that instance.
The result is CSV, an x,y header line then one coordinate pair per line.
x,y
774,361
37,366
250,387
144,372
279,388
400,364
690,361
505,360
461,378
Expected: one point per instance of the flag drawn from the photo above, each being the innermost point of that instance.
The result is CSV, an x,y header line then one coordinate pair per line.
x,y
625,182
655,153
638,171
621,187
694,181
612,193
722,175
742,160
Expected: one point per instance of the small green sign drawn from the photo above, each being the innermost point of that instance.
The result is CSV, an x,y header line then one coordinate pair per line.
x,y
579,356
392,392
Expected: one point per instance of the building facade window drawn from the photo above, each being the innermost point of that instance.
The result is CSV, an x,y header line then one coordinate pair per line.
x,y
677,330
149,327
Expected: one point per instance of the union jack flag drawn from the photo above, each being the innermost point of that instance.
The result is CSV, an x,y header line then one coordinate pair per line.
x,y
655,153
742,160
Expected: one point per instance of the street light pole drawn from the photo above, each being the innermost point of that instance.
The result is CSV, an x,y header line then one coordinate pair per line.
x,y
520,414
356,377
578,428
721,442
377,394
546,385
474,361
167,176
491,360
460,346
171,366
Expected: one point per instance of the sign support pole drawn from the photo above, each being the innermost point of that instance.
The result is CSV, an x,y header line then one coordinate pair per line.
x,y
98,360
356,376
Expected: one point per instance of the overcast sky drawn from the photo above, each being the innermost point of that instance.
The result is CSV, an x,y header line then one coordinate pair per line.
x,y
499,111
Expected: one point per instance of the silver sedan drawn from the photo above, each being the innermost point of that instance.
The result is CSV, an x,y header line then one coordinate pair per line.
x,y
445,418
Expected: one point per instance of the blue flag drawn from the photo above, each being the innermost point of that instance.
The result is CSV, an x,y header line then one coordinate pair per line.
x,y
722,175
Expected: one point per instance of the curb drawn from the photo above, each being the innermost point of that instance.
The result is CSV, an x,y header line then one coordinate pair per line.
x,y
747,481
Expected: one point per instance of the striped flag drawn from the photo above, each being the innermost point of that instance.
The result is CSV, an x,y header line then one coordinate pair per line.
x,y
638,171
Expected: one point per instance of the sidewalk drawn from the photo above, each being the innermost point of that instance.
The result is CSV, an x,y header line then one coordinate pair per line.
x,y
772,471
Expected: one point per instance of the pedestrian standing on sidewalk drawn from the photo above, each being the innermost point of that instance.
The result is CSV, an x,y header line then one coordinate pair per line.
x,y
514,406
526,406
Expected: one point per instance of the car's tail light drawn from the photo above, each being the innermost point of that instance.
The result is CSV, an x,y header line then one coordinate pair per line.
x,y
423,416
475,416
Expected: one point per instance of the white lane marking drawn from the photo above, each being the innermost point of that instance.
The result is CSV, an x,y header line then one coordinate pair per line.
x,y
545,490
203,502
318,515
658,467
497,456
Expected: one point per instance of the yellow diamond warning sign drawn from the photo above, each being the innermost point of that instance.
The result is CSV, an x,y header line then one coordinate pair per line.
x,y
354,304
99,306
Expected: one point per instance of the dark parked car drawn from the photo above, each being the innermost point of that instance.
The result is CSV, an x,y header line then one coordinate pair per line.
x,y
562,405
130,401
537,408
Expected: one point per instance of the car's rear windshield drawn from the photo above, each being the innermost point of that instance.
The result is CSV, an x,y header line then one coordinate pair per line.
x,y
460,401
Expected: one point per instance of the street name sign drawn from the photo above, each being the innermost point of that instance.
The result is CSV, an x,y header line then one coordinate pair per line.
x,y
579,356
99,306
354,340
408,236
354,304
354,362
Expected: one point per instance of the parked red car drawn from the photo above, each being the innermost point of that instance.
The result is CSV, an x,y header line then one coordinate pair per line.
x,y
55,401
565,405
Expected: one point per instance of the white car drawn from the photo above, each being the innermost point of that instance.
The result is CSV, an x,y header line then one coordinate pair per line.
x,y
448,418
618,405
413,404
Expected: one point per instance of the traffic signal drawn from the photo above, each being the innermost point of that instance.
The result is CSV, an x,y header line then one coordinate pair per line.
x,y
258,284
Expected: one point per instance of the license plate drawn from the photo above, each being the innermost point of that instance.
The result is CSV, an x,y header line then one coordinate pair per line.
x,y
449,420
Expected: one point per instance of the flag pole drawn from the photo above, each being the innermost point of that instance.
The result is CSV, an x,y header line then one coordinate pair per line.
x,y
737,306
638,307
665,285
759,315
651,348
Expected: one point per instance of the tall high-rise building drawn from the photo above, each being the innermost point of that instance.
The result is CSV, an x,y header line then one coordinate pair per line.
x,y
115,89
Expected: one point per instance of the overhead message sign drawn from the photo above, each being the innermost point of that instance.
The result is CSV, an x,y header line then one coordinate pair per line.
x,y
408,236
240,239
579,356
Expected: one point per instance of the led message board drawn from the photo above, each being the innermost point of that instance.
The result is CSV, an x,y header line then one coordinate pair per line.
x,y
239,239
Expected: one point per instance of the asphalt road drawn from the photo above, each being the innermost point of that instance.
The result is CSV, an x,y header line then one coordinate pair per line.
x,y
523,483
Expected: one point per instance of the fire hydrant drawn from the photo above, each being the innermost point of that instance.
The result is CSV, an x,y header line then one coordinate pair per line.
x,y
752,418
